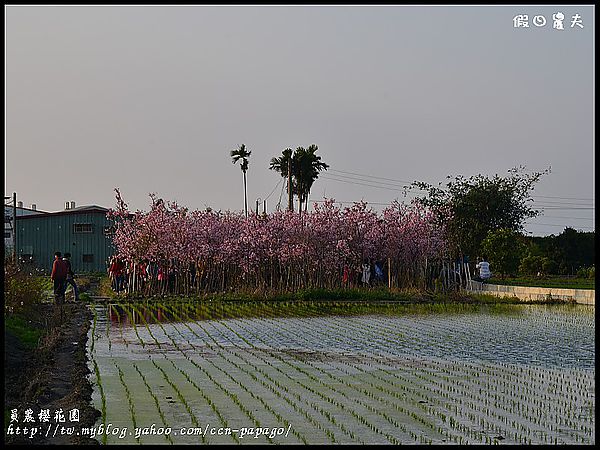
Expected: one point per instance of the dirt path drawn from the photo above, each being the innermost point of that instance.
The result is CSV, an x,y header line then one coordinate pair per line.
x,y
54,376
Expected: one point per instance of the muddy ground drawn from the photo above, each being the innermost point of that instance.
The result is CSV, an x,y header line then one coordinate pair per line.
x,y
53,376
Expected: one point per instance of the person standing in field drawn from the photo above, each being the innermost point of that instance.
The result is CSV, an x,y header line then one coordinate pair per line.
x,y
70,276
379,271
366,273
59,277
484,270
115,272
161,276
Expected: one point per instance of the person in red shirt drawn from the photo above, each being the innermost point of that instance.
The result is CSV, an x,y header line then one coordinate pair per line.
x,y
116,273
59,277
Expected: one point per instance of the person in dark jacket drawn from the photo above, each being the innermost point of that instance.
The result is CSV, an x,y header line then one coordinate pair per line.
x,y
70,276
59,277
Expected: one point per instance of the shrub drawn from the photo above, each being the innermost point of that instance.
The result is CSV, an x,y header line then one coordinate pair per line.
x,y
586,272
105,287
83,283
22,290
530,265
504,249
549,266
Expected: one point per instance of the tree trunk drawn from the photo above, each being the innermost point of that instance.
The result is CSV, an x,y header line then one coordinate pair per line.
x,y
290,198
245,196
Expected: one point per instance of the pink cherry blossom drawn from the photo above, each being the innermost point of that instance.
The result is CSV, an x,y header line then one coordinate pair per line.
x,y
217,251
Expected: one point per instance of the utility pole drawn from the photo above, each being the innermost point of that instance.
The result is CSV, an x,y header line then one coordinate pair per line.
x,y
290,198
15,227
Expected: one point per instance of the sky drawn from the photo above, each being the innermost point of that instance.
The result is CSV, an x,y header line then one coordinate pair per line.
x,y
151,99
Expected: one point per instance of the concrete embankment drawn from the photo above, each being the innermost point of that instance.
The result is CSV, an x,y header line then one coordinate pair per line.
x,y
527,293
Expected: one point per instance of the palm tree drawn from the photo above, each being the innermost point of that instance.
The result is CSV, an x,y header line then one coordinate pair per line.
x,y
243,154
309,166
282,165
305,166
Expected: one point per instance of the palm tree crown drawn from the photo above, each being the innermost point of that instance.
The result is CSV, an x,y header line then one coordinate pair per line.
x,y
305,168
309,166
243,154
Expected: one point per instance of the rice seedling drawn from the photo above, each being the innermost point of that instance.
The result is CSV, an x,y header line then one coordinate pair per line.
x,y
129,400
102,398
361,374
93,332
156,402
276,392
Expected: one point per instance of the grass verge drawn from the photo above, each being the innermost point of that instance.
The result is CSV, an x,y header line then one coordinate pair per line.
x,y
23,330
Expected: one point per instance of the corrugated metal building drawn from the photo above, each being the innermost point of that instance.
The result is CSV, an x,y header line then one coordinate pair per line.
x,y
8,217
85,232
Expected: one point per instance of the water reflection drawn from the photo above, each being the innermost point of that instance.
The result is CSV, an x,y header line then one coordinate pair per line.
x,y
176,311
551,336
127,315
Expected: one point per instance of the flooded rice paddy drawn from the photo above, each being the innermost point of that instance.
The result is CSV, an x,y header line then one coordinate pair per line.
x,y
344,373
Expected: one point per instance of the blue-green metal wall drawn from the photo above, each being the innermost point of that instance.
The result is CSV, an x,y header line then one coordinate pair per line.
x,y
45,234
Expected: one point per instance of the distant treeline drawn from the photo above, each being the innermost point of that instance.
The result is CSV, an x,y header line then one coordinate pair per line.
x,y
568,253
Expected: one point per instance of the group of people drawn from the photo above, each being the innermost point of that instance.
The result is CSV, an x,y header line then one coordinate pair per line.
x,y
369,272
62,275
148,274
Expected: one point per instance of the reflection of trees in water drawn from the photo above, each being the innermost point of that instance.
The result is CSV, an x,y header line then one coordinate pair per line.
x,y
215,310
140,314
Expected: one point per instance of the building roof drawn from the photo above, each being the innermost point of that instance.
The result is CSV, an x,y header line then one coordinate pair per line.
x,y
87,208
21,212
77,210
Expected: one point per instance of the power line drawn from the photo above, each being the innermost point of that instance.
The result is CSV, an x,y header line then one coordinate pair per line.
x,y
370,181
363,184
406,191
280,195
273,189
542,205
394,183
557,225
351,203
556,208
371,176
565,217
409,182
562,198
550,203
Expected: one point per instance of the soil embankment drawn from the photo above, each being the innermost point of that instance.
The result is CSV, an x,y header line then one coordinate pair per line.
x,y
53,376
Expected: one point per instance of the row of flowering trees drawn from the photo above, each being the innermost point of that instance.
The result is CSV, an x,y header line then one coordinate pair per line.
x,y
208,251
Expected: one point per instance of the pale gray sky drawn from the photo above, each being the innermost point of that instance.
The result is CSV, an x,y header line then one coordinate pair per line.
x,y
152,99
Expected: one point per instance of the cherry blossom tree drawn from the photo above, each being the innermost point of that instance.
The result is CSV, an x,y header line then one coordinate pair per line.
x,y
207,251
